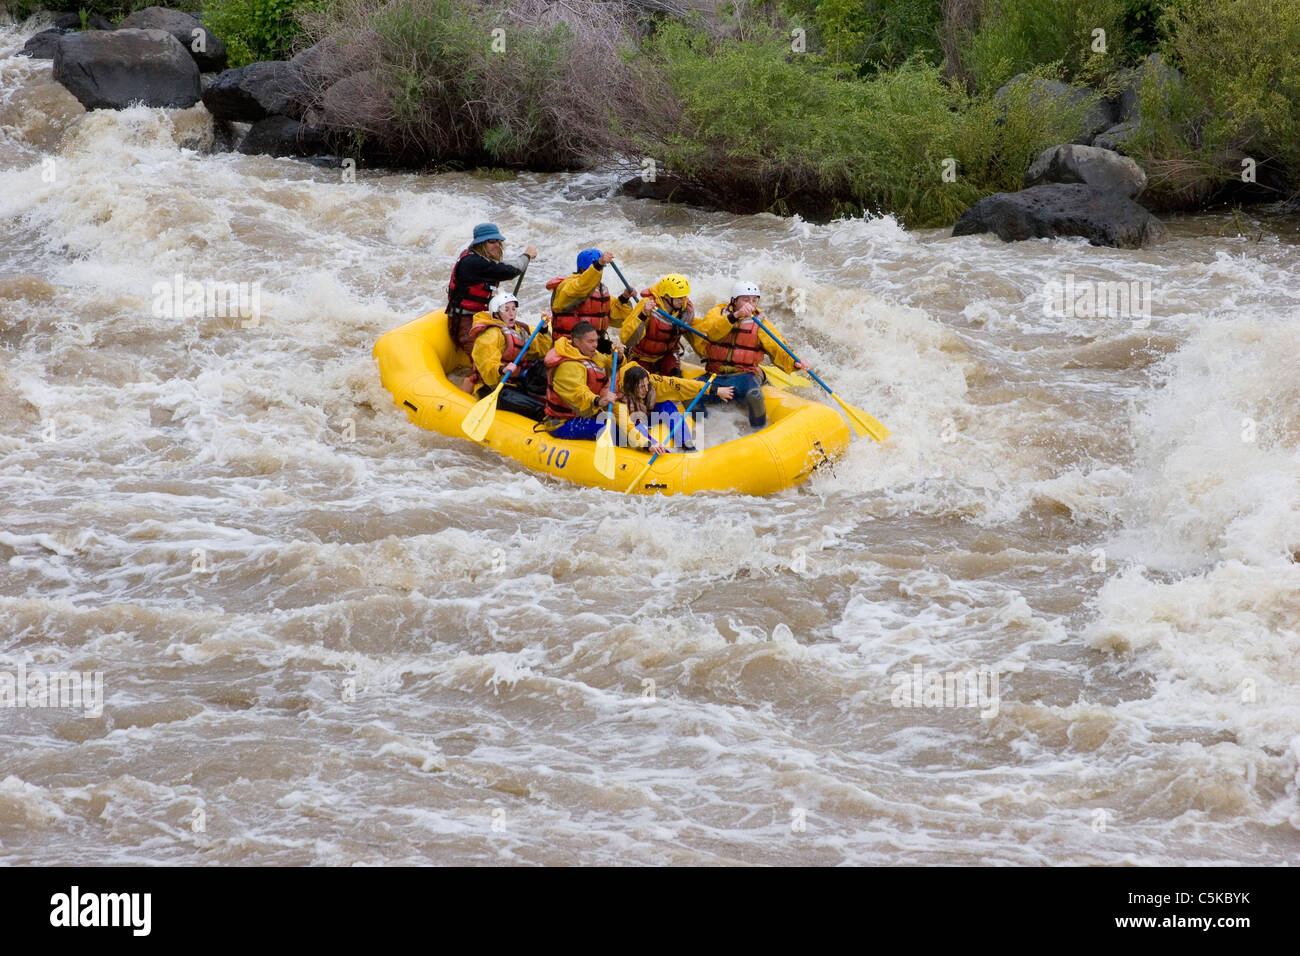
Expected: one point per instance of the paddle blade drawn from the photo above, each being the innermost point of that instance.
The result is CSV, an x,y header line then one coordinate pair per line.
x,y
860,420
784,379
479,419
604,460
637,480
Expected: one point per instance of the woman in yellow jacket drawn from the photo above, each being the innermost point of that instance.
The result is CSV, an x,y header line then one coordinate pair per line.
x,y
649,399
735,347
499,349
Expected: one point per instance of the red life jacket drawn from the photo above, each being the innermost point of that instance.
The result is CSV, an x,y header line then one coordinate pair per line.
x,y
557,407
513,344
741,348
660,337
593,309
467,300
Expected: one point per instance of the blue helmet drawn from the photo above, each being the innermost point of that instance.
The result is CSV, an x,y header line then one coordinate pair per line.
x,y
586,257
486,231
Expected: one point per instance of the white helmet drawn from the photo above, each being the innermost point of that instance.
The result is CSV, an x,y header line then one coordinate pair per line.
x,y
744,288
499,300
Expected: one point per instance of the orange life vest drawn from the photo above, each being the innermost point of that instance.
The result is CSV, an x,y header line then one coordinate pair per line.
x,y
557,407
467,300
594,309
740,350
514,340
660,337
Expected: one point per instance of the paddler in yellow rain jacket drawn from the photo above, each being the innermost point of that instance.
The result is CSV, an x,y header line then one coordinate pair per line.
x,y
648,400
498,346
578,396
652,341
736,347
582,297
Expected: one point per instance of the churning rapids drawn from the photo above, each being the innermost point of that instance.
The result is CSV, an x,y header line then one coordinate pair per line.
x,y
327,636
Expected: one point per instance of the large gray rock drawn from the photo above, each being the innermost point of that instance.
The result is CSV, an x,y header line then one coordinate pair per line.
x,y
1048,94
1102,217
1087,164
112,70
183,27
43,45
250,93
1117,138
282,136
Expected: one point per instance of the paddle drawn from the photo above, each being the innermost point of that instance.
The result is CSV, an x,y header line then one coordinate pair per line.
x,y
479,419
859,419
604,459
777,376
685,414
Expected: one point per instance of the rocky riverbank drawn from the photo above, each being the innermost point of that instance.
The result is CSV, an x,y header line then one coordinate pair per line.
x,y
335,99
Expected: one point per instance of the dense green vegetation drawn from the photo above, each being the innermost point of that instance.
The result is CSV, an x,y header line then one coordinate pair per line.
x,y
256,29
823,107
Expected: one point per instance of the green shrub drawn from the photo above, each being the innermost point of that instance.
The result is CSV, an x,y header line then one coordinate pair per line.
x,y
760,128
1240,95
256,30
1014,36
871,35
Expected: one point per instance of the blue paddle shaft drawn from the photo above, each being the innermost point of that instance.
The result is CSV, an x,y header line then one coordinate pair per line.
x,y
691,407
619,272
524,352
789,353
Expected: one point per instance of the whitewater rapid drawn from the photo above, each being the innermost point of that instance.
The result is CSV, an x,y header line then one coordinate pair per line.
x,y
326,636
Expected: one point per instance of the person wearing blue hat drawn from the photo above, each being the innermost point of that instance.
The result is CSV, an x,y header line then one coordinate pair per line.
x,y
474,278
582,297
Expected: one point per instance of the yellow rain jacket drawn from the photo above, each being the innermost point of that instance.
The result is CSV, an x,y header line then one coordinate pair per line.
x,y
578,286
663,388
716,324
569,379
489,349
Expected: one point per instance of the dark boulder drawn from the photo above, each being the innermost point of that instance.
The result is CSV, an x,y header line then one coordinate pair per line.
x,y
1103,217
71,20
1118,137
1102,168
188,31
113,70
249,93
282,136
43,45
1046,94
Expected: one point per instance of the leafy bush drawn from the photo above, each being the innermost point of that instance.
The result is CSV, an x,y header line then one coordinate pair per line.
x,y
1014,36
871,35
1240,96
757,127
256,29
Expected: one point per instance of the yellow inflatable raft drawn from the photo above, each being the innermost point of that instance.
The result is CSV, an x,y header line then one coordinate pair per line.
x,y
800,435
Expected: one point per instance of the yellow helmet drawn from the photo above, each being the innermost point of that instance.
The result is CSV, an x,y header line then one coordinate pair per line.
x,y
672,286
